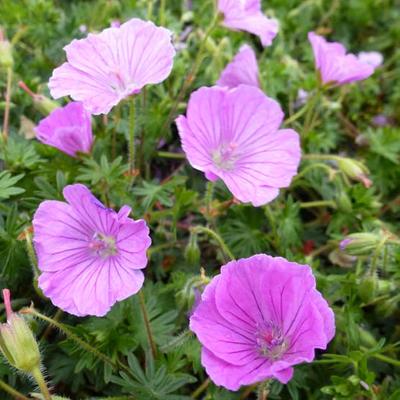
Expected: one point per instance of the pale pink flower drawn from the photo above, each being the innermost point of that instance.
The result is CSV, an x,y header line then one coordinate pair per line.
x,y
90,256
243,69
234,135
335,66
246,15
107,67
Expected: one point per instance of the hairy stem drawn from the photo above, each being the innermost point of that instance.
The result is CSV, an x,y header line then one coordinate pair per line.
x,y
11,391
39,378
318,203
200,389
147,324
75,338
132,139
167,154
193,71
217,237
8,102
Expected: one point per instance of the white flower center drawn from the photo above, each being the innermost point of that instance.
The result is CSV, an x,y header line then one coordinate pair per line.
x,y
225,156
103,246
271,342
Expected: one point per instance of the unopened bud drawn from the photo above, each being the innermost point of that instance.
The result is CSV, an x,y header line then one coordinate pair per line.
x,y
192,251
344,203
17,342
359,244
42,103
355,170
367,288
6,57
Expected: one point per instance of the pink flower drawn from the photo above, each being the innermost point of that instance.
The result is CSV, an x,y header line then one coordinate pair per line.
x,y
246,15
335,66
257,319
373,58
90,256
243,69
68,129
234,135
107,67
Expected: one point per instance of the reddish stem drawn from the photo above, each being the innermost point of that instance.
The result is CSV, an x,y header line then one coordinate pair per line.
x,y
26,89
7,302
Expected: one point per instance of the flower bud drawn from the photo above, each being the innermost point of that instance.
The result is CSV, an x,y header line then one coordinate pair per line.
x,y
359,244
192,251
6,57
344,203
42,103
355,170
367,288
17,342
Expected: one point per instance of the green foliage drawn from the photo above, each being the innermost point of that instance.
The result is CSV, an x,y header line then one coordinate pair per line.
x,y
305,223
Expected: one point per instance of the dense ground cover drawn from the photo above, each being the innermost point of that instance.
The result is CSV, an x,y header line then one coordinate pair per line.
x,y
340,214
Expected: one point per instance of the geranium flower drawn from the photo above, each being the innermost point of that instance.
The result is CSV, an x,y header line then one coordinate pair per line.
x,y
258,318
243,69
90,256
246,15
335,66
104,68
234,135
68,129
373,58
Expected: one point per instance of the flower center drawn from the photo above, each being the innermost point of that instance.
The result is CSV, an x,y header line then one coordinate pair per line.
x,y
270,340
224,157
103,246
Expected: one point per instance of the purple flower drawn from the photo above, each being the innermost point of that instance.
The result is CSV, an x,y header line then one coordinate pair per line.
x,y
373,58
90,256
234,135
246,15
344,243
68,129
243,69
335,66
104,68
257,319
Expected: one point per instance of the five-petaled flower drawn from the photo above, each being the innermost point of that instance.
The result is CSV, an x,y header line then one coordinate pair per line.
x,y
90,256
246,15
242,70
234,135
334,65
68,129
258,318
107,67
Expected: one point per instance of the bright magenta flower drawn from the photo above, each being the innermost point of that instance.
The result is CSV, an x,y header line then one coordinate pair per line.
x,y
90,256
246,15
68,129
243,69
104,68
257,319
234,135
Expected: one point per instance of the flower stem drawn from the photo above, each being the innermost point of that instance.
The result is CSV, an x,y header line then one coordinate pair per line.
x,y
7,105
72,336
217,237
132,139
201,389
318,203
37,374
193,71
263,390
11,391
167,154
162,12
147,324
